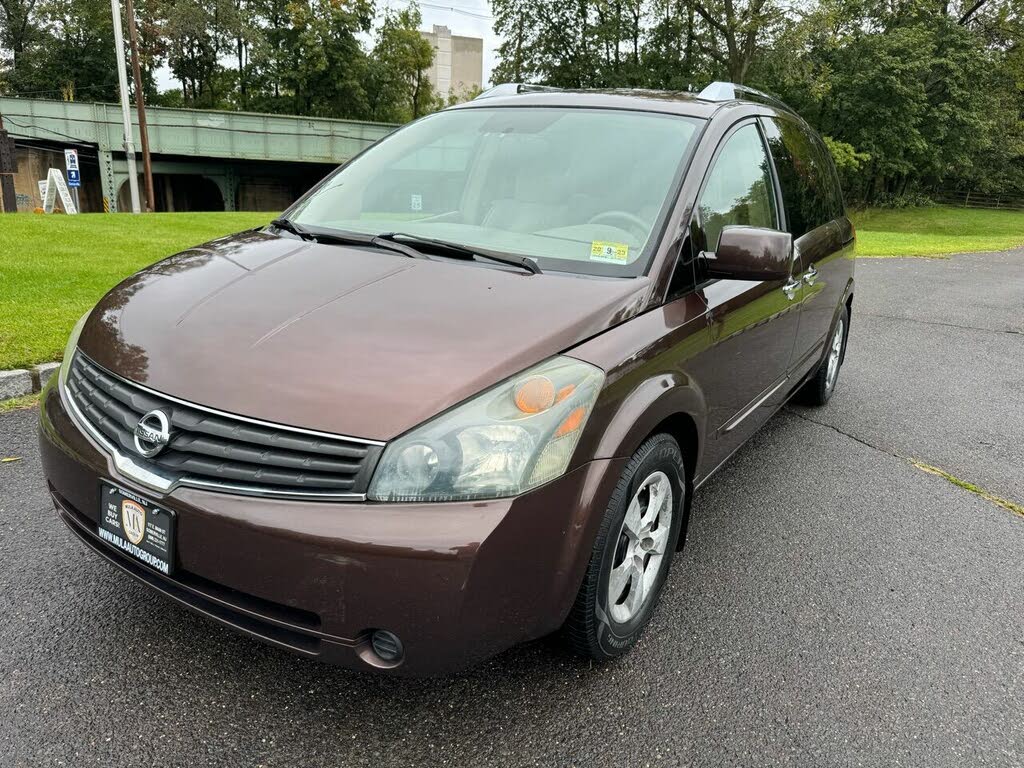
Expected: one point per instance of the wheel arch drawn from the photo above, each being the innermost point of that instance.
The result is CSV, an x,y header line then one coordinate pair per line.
x,y
668,403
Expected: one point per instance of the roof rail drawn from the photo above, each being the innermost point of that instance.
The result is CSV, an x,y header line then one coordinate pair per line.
x,y
722,91
512,89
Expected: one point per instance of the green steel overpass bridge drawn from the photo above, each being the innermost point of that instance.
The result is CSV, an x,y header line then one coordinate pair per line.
x,y
202,159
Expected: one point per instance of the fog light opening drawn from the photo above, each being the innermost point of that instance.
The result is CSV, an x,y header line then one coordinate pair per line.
x,y
387,646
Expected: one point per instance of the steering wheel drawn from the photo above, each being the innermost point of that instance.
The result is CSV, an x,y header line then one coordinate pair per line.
x,y
633,224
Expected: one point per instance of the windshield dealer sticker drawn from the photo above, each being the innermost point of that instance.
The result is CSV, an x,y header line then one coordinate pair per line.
x,y
611,253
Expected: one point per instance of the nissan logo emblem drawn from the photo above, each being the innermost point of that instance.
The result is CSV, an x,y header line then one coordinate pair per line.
x,y
152,433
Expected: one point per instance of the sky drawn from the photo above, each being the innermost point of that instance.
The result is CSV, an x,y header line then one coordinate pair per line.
x,y
471,18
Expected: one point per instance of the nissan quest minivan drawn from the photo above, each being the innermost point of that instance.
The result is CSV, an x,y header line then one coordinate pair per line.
x,y
460,394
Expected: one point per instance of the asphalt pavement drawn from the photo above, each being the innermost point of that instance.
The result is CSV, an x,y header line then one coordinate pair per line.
x,y
835,605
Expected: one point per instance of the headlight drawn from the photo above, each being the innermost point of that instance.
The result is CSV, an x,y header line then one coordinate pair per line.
x,y
512,437
72,345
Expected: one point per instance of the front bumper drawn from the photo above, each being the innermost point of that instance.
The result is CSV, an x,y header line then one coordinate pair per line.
x,y
457,582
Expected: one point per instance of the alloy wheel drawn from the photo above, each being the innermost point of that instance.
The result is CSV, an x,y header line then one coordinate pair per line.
x,y
834,355
641,547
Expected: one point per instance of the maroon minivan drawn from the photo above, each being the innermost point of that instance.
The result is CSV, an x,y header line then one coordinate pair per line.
x,y
460,394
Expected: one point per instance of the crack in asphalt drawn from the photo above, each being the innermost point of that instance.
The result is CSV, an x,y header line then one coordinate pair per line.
x,y
945,325
853,437
965,485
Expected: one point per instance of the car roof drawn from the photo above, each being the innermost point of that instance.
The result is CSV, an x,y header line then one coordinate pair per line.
x,y
668,102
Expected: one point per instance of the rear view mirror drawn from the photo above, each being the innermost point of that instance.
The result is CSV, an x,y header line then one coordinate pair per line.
x,y
751,253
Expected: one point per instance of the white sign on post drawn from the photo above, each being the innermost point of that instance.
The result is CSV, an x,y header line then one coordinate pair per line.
x,y
55,185
71,159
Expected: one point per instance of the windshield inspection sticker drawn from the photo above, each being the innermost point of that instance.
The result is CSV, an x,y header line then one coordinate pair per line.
x,y
612,253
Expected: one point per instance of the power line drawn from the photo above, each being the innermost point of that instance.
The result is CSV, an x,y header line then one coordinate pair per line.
x,y
60,90
74,139
453,8
457,9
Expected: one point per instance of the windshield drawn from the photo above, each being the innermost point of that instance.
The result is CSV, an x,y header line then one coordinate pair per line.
x,y
580,190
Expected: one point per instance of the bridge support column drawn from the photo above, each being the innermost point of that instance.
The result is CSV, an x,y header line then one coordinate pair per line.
x,y
230,188
108,181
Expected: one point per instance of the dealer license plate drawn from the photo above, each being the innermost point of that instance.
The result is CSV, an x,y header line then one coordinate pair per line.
x,y
138,527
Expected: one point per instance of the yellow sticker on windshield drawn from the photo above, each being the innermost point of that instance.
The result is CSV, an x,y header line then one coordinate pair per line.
x,y
613,253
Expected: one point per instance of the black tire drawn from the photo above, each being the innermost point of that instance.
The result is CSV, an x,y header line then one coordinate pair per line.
x,y
592,629
819,388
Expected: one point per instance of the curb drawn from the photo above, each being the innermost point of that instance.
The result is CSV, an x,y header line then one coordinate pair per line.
x,y
21,382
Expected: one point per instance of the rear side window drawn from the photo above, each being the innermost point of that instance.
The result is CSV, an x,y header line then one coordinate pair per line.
x,y
739,187
808,185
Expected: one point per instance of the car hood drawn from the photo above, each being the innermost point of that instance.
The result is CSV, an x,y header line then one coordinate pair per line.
x,y
352,341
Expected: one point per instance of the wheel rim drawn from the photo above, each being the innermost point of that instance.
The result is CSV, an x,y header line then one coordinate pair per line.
x,y
833,356
640,548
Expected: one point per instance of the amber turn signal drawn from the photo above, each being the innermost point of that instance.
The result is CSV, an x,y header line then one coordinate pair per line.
x,y
572,422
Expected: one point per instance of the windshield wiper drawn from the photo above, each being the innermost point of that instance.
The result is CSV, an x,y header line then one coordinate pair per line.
x,y
340,237
461,251
290,226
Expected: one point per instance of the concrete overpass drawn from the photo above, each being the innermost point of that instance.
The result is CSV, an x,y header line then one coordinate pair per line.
x,y
202,159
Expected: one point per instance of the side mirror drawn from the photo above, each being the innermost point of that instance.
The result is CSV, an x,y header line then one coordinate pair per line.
x,y
751,253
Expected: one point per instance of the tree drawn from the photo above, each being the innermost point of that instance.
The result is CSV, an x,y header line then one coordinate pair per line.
x,y
71,52
400,60
310,60
734,32
17,27
552,42
198,34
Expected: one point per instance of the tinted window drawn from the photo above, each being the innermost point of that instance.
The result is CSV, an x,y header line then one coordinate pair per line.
x,y
805,175
739,187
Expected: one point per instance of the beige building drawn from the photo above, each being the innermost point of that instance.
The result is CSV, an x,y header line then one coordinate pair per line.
x,y
458,62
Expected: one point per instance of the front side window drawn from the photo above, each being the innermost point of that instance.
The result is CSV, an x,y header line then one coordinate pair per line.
x,y
580,190
739,187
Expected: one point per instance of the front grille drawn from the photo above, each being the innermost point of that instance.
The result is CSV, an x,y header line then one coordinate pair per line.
x,y
214,448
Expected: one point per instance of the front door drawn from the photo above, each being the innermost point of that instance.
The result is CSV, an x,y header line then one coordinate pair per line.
x,y
753,322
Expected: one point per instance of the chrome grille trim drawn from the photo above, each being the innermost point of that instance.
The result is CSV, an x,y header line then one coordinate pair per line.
x,y
149,474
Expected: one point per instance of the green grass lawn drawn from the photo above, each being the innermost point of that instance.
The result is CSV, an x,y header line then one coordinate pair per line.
x,y
53,268
936,231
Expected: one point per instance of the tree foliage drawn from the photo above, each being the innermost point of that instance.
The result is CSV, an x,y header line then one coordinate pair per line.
x,y
914,96
307,57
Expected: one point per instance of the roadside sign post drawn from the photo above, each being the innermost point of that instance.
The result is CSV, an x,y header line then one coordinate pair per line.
x,y
74,173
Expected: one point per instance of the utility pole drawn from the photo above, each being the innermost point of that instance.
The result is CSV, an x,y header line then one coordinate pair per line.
x,y
147,166
8,200
126,115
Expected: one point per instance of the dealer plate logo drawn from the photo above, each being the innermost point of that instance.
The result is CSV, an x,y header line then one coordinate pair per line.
x,y
133,520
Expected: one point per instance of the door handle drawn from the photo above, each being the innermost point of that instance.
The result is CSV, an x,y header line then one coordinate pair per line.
x,y
811,275
790,288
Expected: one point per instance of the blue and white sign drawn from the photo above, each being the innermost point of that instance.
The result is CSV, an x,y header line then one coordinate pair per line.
x,y
71,163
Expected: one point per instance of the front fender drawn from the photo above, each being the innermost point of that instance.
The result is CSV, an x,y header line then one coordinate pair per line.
x,y
649,362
